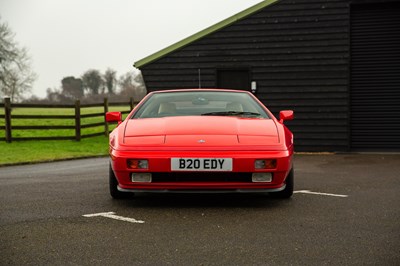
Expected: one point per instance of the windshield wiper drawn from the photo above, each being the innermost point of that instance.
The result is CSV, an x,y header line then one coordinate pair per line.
x,y
232,113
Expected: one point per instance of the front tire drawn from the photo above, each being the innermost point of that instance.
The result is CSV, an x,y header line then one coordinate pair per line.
x,y
113,184
288,191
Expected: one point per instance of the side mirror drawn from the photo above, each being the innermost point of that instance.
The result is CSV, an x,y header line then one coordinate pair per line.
x,y
113,117
285,115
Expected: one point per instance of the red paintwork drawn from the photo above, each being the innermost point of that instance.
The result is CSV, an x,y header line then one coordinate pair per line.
x,y
113,117
286,115
183,131
243,139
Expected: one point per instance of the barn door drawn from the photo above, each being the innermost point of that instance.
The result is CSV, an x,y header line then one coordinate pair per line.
x,y
375,77
238,79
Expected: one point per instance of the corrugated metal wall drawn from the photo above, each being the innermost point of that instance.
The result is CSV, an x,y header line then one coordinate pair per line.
x,y
375,77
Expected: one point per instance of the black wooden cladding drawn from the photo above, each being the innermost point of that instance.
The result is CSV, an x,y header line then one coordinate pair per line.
x,y
297,51
375,79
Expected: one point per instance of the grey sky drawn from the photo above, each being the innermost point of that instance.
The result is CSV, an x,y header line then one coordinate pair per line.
x,y
68,37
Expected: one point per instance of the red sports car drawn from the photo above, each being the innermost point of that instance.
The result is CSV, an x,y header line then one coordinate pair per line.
x,y
201,140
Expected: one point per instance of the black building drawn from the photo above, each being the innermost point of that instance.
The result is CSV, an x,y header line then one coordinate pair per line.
x,y
336,63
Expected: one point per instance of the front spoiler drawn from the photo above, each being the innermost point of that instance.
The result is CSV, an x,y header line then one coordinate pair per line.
x,y
210,191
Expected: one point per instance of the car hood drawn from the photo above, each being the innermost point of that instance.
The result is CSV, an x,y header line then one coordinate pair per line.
x,y
201,130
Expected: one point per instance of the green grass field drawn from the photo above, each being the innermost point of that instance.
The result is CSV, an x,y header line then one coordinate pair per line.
x,y
39,151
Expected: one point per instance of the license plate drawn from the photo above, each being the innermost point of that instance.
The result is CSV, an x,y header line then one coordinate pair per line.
x,y
201,164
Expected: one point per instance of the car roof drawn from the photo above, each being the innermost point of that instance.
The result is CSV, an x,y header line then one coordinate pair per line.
x,y
200,90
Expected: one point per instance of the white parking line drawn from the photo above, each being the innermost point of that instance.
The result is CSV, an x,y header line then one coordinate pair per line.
x,y
320,193
112,215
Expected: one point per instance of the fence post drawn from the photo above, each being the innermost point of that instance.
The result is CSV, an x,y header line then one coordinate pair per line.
x,y
7,118
106,131
78,120
131,103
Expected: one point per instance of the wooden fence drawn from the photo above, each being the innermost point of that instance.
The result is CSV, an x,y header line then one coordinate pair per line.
x,y
77,117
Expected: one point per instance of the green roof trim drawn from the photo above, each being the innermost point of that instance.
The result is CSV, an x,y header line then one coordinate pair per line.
x,y
203,33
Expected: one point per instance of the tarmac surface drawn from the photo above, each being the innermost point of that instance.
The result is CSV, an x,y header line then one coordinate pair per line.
x,y
346,210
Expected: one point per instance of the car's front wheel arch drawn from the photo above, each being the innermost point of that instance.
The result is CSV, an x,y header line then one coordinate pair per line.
x,y
287,192
113,186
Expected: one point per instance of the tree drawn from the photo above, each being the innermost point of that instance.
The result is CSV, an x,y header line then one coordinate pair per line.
x,y
110,79
16,76
53,95
92,81
132,85
72,87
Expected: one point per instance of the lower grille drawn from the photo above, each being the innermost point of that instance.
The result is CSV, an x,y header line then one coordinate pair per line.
x,y
205,177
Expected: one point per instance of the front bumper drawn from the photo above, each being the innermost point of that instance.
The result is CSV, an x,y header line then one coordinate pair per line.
x,y
223,191
160,162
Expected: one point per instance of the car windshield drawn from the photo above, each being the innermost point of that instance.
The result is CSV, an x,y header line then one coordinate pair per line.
x,y
202,103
